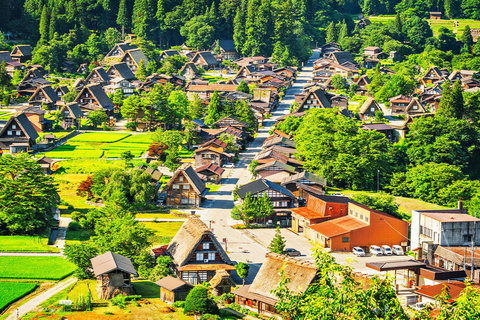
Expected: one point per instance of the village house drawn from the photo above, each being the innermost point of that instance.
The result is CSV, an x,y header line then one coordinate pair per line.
x,y
381,127
362,84
435,15
258,296
93,97
280,197
340,57
239,136
113,272
206,91
97,76
275,169
82,68
214,152
401,105
205,59
315,98
462,74
173,289
196,253
368,109
117,53
295,181
395,56
251,61
18,134
45,164
189,70
362,227
120,70
433,75
227,49
36,117
133,58
373,52
165,54
319,208
44,96
32,80
185,188
71,115
429,293
21,53
60,91
369,63
329,48
230,121
210,172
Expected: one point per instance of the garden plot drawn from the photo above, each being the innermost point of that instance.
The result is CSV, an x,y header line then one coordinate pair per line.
x,y
25,244
12,291
40,268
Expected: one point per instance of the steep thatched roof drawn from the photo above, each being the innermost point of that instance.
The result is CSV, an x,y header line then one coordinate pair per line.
x,y
370,102
187,239
301,274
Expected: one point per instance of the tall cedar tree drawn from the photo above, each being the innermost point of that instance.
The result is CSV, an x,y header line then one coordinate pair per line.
x,y
278,243
53,24
214,109
452,104
467,37
44,26
243,87
332,33
239,26
122,16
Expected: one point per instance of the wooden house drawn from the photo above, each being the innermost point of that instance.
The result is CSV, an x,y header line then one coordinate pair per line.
x,y
210,172
401,105
373,52
71,115
189,70
329,48
36,116
173,289
60,91
280,196
21,53
117,52
205,59
97,76
82,68
395,56
28,86
381,127
196,253
433,75
314,98
205,91
435,15
362,84
304,178
222,283
133,58
93,97
340,57
230,121
259,297
275,167
18,134
165,54
113,272
44,96
45,164
227,49
120,70
212,153
368,109
185,188
363,23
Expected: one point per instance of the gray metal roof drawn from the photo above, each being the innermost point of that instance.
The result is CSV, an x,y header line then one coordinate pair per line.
x,y
261,185
110,261
124,71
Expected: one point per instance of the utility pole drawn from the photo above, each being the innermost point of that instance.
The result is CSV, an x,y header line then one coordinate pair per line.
x,y
473,248
378,180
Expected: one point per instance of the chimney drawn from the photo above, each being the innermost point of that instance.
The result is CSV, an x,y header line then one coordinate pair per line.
x,y
460,205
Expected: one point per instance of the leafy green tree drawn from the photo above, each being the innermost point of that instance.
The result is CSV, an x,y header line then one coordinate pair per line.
x,y
239,26
80,255
451,103
196,108
52,29
277,245
245,113
141,71
252,166
229,139
397,84
3,43
243,87
417,31
199,32
112,36
27,196
214,108
143,19
290,124
190,133
128,156
447,39
200,301
97,117
332,33
382,202
4,77
338,82
467,37
162,269
242,270
178,103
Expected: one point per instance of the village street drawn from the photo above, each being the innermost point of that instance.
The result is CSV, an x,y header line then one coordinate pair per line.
x,y
240,246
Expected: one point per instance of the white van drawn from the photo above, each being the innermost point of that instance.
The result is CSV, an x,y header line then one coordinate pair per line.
x,y
375,250
397,250
387,250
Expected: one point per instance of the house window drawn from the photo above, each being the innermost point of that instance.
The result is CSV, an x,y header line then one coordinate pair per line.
x,y
9,133
372,109
366,219
186,187
361,216
467,238
180,179
199,256
206,246
86,95
415,107
345,239
184,201
176,186
211,256
19,133
14,126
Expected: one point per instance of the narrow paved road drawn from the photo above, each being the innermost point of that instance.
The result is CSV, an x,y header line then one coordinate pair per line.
x,y
36,301
241,247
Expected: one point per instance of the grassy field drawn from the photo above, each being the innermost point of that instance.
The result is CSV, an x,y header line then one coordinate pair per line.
x,y
164,231
41,268
25,244
94,145
157,216
12,291
5,115
67,189
57,135
92,165
147,289
75,237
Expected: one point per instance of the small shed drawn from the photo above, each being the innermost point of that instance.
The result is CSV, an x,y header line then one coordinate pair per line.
x,y
435,15
222,283
173,289
113,272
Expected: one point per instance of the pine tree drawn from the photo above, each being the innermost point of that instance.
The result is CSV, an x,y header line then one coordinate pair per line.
x,y
44,26
466,37
243,87
446,102
122,16
141,71
4,77
251,46
331,33
265,22
245,113
53,25
398,25
214,109
239,27
278,243
343,33
457,100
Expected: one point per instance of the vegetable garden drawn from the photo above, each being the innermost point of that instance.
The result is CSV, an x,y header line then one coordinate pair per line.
x,y
40,268
12,291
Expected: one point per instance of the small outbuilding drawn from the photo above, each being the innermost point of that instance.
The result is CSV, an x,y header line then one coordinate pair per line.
x,y
173,289
113,272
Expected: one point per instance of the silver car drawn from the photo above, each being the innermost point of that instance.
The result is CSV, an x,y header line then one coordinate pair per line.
x,y
387,250
358,252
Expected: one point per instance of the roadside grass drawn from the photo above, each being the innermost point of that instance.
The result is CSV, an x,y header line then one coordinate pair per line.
x,y
12,291
106,137
28,267
158,216
58,135
213,79
92,165
72,292
25,244
213,187
139,138
163,231
146,289
76,237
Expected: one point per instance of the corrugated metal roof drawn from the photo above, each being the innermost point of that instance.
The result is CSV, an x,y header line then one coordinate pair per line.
x,y
339,226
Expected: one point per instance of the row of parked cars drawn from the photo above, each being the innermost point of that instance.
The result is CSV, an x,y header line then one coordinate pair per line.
x,y
379,251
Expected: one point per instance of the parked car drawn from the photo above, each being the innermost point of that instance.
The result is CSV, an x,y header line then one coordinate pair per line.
x,y
338,194
387,250
375,250
397,250
418,306
292,252
358,252
228,165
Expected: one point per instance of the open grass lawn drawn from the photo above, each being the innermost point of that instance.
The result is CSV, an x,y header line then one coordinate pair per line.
x,y
213,187
25,267
25,244
67,189
5,115
12,291
147,289
57,135
164,231
157,216
92,165
93,145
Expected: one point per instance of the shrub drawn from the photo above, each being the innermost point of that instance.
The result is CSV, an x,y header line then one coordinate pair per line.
x,y
210,317
179,304
74,226
80,305
199,301
131,125
119,301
